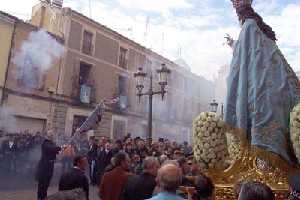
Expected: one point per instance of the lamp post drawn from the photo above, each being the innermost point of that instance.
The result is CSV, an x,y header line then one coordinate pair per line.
x,y
163,82
222,111
214,106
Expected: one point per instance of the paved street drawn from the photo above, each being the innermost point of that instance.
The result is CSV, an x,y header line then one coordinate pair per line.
x,y
30,194
14,187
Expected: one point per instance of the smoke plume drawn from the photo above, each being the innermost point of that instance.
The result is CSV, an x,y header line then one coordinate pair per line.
x,y
7,120
36,56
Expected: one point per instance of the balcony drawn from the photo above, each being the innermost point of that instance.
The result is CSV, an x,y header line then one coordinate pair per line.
x,y
122,105
83,95
87,49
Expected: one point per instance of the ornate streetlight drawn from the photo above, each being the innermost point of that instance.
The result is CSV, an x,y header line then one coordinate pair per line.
x,y
222,111
163,79
163,82
214,106
140,78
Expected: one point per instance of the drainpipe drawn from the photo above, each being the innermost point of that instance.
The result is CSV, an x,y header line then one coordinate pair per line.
x,y
8,63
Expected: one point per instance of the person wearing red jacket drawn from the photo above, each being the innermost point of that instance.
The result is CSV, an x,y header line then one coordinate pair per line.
x,y
113,182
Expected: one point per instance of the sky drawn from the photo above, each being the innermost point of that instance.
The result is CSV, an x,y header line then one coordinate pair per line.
x,y
192,30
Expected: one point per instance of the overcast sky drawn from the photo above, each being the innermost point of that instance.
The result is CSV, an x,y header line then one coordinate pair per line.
x,y
197,27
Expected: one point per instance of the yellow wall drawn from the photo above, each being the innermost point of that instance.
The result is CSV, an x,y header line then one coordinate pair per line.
x,y
6,31
48,18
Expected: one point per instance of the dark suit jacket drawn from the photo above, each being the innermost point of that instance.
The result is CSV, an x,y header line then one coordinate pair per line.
x,y
46,163
103,160
74,179
112,184
92,154
139,187
49,150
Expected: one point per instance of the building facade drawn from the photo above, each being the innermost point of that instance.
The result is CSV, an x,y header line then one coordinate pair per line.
x,y
7,30
221,87
31,107
99,63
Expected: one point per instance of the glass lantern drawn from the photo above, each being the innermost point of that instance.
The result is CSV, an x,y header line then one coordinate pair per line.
x,y
163,75
140,78
214,106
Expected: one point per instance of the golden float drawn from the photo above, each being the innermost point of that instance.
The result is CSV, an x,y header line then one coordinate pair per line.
x,y
246,162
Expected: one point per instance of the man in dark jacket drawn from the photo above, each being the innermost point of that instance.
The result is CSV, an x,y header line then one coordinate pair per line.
x,y
142,186
46,165
103,161
76,177
92,155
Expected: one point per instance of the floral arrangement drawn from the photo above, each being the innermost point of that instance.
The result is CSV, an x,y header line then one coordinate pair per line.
x,y
210,148
295,130
234,146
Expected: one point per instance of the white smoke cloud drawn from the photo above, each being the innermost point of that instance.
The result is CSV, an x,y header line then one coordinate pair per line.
x,y
36,56
7,120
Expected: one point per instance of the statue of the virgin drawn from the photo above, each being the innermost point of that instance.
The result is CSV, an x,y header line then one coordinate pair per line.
x,y
262,87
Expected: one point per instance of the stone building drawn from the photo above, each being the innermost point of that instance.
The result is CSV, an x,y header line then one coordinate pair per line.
x,y
99,63
7,29
32,107
221,87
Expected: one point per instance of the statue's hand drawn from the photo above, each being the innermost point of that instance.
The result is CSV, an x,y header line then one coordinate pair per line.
x,y
229,40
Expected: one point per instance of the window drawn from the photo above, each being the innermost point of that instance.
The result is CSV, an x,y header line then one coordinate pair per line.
x,y
84,73
119,129
31,76
78,120
87,43
123,58
122,85
85,90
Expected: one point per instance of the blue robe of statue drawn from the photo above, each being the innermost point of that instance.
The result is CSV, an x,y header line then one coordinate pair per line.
x,y
262,91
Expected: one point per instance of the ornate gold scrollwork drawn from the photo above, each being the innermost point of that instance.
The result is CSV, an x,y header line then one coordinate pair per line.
x,y
253,164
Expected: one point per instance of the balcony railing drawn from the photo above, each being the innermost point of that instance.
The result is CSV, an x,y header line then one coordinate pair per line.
x,y
87,49
84,94
122,105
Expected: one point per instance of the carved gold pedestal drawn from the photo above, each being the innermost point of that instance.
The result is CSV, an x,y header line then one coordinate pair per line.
x,y
254,164
251,163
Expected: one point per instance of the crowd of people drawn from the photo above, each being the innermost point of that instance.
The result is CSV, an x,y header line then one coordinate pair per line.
x,y
19,149
124,169
137,169
103,150
24,149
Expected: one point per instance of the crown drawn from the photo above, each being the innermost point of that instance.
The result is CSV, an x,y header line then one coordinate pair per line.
x,y
240,3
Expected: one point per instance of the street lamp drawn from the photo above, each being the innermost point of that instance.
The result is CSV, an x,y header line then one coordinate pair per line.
x,y
163,82
140,78
163,79
214,106
222,111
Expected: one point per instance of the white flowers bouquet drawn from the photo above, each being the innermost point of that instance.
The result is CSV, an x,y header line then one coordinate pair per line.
x,y
234,146
295,130
210,148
